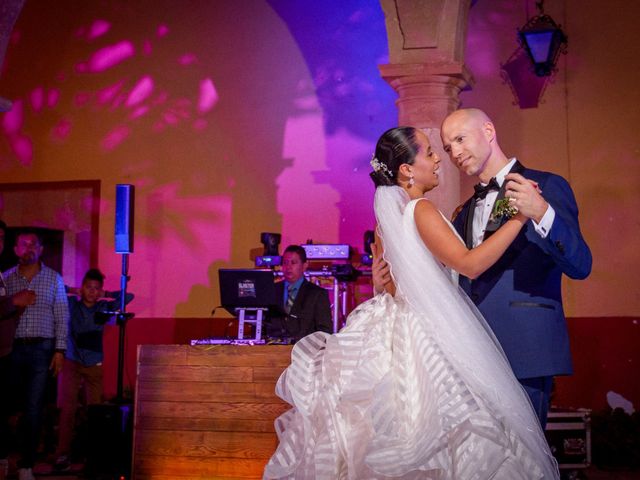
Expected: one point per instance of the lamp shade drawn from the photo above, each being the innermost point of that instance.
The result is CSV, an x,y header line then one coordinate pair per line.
x,y
543,40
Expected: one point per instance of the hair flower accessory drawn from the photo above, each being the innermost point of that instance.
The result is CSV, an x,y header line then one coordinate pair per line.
x,y
378,167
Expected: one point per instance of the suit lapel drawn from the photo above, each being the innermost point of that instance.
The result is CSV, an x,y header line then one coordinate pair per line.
x,y
493,225
467,232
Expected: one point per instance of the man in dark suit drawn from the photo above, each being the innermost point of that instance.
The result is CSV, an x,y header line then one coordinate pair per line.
x,y
306,305
520,296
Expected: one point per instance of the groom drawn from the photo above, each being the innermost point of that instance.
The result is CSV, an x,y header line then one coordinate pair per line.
x,y
520,296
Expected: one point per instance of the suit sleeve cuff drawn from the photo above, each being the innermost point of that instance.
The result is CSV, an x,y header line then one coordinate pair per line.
x,y
546,222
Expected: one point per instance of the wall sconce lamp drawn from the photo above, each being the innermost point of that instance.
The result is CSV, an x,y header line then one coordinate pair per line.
x,y
543,40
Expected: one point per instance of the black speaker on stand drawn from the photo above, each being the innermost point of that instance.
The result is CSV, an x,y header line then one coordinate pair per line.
x,y
110,424
125,200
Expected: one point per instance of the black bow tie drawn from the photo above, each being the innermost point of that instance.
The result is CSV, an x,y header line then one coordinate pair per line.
x,y
480,191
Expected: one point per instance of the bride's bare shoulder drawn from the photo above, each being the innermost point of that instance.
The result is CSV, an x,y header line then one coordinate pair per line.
x,y
427,213
425,207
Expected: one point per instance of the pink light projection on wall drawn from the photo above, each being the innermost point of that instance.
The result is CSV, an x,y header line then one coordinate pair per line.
x,y
37,99
107,57
176,111
307,149
139,112
200,124
142,98
115,137
208,96
108,93
98,28
82,98
12,122
141,91
52,97
187,59
345,152
61,130
162,31
23,149
147,48
170,118
13,119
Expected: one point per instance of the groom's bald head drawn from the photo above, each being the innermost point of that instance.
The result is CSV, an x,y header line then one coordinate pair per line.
x,y
469,137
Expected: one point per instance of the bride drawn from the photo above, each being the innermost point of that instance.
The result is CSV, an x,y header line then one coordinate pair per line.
x,y
415,385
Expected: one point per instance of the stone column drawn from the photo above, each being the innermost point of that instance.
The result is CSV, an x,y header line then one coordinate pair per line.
x,y
426,69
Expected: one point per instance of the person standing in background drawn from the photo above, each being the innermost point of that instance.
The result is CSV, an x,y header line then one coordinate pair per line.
x,y
40,339
306,305
83,360
10,308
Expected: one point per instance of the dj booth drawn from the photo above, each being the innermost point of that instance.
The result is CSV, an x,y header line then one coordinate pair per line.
x,y
206,411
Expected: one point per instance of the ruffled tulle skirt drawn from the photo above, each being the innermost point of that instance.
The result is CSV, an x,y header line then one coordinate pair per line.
x,y
380,400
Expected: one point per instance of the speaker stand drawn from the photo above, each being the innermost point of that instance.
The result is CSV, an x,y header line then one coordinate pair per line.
x,y
121,319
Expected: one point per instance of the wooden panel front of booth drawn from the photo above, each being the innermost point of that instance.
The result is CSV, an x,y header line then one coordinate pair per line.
x,y
206,411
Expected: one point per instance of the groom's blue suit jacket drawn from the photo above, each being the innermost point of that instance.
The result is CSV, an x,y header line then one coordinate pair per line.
x,y
520,296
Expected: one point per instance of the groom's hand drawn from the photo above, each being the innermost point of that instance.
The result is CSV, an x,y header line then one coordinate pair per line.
x,y
526,196
380,271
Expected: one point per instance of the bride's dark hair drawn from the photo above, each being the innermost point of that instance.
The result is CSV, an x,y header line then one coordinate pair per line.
x,y
396,146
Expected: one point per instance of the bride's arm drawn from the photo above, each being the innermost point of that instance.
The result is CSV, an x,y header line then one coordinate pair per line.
x,y
380,270
446,247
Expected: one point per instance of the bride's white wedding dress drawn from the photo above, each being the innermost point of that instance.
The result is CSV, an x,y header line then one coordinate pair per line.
x,y
414,386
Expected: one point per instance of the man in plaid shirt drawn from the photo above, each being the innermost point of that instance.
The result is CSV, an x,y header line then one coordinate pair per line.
x,y
10,308
40,339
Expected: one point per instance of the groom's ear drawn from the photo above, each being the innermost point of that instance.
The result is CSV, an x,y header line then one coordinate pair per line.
x,y
489,131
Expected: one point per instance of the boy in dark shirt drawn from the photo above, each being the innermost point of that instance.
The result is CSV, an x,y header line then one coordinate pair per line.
x,y
83,361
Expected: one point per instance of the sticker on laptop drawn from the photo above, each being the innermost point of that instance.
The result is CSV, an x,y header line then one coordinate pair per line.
x,y
246,288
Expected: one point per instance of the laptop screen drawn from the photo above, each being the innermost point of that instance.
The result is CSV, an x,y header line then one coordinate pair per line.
x,y
248,288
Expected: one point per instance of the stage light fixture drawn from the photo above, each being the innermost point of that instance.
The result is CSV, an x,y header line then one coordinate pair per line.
x,y
270,242
270,257
543,40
